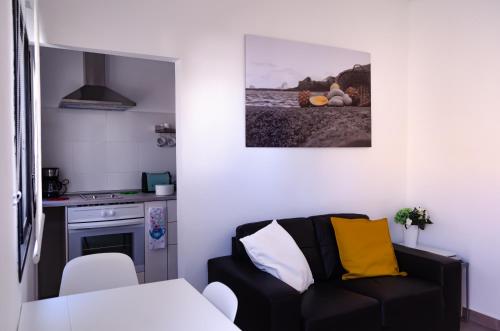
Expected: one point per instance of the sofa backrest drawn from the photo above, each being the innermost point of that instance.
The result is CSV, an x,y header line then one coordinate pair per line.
x,y
314,236
327,244
301,230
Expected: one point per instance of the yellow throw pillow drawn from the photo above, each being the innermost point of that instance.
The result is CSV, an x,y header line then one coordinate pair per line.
x,y
365,248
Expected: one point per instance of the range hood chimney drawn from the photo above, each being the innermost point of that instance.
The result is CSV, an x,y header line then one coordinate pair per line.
x,y
94,94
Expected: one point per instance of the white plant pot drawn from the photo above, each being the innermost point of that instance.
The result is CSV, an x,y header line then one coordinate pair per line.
x,y
410,236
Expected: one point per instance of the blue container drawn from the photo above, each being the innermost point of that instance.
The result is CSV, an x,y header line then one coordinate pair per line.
x,y
151,179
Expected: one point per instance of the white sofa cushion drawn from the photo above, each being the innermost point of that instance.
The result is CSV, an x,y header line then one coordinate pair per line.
x,y
274,251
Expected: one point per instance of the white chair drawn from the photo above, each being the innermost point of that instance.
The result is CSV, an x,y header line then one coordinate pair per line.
x,y
97,272
223,298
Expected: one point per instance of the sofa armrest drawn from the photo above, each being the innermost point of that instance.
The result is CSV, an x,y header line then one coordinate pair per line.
x,y
445,271
265,303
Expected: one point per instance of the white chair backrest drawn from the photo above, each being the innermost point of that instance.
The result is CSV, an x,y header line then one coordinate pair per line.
x,y
223,298
97,272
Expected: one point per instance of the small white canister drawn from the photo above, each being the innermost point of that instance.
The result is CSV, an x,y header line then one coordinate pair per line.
x,y
164,189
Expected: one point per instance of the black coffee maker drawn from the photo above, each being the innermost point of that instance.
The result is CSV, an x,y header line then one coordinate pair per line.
x,y
52,187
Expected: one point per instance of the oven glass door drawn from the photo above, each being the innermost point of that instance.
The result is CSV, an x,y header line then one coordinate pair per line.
x,y
109,243
120,236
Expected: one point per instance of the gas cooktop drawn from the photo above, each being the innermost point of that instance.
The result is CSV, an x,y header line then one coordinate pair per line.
x,y
100,196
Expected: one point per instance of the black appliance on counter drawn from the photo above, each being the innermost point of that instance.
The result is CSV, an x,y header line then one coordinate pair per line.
x,y
52,187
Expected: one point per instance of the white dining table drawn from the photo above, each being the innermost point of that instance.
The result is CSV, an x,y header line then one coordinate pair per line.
x,y
172,305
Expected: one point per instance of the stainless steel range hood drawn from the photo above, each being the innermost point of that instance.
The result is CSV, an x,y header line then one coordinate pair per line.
x,y
94,94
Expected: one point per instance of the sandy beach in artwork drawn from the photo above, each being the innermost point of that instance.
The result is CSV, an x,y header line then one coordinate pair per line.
x,y
308,127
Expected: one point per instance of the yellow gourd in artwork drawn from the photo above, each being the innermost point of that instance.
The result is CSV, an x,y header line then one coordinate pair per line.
x,y
318,101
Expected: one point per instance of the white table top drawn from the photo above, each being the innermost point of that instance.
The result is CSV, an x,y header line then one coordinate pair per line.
x,y
172,305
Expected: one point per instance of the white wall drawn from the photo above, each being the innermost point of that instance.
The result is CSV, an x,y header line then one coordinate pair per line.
x,y
106,150
222,184
12,293
454,121
10,298
150,83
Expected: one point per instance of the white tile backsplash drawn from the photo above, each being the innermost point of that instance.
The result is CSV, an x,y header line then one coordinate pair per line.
x,y
122,156
124,181
155,159
99,150
122,126
87,181
59,154
134,126
89,156
73,125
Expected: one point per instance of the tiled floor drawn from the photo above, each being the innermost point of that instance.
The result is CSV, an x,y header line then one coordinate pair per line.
x,y
469,326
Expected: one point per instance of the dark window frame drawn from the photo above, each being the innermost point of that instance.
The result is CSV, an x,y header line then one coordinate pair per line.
x,y
24,134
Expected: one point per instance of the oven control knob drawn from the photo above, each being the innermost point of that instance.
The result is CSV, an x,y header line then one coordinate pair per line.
x,y
103,213
111,212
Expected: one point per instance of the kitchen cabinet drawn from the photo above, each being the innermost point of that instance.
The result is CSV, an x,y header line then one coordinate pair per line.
x,y
53,258
161,264
172,262
155,260
172,238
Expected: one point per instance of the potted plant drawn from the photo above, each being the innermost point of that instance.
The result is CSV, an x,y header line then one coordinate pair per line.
x,y
413,220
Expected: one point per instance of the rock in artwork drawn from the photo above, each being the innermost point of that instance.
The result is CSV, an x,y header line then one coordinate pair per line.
x,y
306,95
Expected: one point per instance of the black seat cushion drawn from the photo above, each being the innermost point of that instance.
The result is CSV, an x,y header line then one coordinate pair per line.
x,y
328,307
327,243
302,232
407,303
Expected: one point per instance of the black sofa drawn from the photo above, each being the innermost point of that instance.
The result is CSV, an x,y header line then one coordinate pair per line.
x,y
428,299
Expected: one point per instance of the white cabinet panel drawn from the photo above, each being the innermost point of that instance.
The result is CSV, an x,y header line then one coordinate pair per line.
x,y
172,210
172,238
172,261
172,233
155,260
162,264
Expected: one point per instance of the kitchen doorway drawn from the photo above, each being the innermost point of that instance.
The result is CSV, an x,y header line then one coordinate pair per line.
x,y
108,139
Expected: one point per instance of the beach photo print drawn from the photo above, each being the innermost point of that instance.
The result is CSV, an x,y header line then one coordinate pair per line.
x,y
306,95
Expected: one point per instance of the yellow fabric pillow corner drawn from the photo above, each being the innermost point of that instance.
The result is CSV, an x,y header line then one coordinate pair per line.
x,y
365,248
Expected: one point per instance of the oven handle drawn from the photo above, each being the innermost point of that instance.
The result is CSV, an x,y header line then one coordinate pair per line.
x,y
104,224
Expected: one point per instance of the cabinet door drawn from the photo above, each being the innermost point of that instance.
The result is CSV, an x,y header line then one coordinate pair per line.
x,y
155,260
172,210
53,257
172,262
172,239
172,233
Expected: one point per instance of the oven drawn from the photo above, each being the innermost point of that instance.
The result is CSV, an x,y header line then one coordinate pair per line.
x,y
107,229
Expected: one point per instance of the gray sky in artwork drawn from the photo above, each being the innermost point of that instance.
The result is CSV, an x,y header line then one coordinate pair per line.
x,y
272,62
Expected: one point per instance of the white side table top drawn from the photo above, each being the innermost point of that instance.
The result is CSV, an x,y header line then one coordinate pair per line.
x,y
162,306
437,251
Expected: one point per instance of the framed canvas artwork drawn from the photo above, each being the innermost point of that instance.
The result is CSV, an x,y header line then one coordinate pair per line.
x,y
306,95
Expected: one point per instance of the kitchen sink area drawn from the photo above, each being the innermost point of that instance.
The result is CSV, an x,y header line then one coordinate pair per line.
x,y
96,198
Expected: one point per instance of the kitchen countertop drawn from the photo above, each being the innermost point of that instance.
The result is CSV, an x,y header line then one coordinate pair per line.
x,y
77,200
